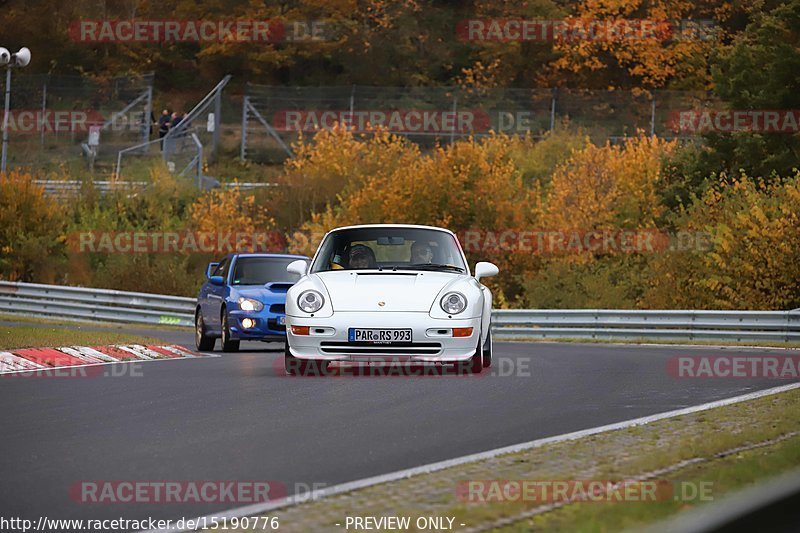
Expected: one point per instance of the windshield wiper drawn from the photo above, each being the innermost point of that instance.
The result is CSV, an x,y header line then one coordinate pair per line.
x,y
430,266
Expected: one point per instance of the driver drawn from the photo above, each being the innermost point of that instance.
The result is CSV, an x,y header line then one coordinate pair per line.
x,y
361,256
421,253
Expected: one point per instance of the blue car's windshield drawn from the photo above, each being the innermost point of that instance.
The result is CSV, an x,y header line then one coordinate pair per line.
x,y
261,270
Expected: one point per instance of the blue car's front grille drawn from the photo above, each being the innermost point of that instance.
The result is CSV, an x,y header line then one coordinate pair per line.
x,y
277,309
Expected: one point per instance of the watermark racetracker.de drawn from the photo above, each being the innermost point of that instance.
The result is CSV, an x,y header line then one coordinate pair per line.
x,y
526,241
584,490
582,29
201,31
699,121
402,367
734,366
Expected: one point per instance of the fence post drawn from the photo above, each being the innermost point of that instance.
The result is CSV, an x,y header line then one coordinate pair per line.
x,y
44,110
653,114
217,122
455,107
5,119
352,101
553,110
147,122
243,147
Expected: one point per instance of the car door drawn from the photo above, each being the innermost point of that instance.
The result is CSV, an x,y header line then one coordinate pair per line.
x,y
202,296
216,295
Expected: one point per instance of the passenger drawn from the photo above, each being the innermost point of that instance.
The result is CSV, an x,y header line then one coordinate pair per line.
x,y
421,253
362,257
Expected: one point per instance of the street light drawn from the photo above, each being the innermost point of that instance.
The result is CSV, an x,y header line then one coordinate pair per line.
x,y
20,59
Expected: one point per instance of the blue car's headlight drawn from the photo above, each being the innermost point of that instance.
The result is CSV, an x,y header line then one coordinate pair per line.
x,y
248,304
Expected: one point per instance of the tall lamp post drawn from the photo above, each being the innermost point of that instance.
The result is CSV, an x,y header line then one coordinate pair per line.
x,y
20,59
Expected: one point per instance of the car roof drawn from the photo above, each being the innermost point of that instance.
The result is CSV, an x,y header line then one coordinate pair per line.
x,y
261,254
409,226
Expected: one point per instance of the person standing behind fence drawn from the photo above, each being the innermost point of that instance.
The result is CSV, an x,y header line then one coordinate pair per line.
x,y
163,126
176,119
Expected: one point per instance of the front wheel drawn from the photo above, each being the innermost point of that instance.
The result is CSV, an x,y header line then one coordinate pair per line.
x,y
291,364
303,367
488,348
473,365
202,341
228,344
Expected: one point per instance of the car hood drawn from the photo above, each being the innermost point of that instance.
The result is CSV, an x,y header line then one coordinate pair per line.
x,y
265,293
398,290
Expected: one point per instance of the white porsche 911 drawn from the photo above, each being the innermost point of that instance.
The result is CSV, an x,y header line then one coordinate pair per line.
x,y
383,291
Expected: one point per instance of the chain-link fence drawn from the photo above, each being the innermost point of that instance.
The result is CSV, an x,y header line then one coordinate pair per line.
x,y
273,117
57,120
110,126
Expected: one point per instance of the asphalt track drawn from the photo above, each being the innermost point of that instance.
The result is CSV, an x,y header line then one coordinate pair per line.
x,y
238,417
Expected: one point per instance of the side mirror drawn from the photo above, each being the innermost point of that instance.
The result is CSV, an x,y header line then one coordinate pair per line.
x,y
485,270
217,280
210,268
299,267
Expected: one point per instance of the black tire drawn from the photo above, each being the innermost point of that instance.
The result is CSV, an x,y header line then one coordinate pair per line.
x,y
302,367
291,364
228,344
487,351
473,365
202,341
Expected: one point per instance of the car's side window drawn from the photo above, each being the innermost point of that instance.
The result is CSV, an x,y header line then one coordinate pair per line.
x,y
222,269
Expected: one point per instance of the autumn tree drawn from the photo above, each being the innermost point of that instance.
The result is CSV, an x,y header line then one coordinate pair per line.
x,y
31,230
753,261
759,72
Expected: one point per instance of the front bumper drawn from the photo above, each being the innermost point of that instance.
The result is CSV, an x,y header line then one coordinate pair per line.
x,y
328,337
267,325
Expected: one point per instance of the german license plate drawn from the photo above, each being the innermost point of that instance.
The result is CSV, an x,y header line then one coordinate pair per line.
x,y
379,336
281,320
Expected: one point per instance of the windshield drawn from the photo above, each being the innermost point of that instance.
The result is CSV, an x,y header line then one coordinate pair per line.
x,y
389,248
261,270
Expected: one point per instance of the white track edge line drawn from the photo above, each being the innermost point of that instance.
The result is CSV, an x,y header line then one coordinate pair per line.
x,y
257,508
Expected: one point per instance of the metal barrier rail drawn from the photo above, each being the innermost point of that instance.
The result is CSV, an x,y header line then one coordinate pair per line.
x,y
95,304
67,189
603,324
611,324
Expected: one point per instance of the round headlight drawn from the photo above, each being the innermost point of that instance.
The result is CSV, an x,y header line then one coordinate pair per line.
x,y
453,303
248,304
310,301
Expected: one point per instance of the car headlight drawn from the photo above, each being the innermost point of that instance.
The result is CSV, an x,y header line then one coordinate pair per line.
x,y
310,301
453,303
248,304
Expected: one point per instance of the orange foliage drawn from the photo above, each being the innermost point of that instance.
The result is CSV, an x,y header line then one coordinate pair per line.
x,y
31,229
229,210
609,187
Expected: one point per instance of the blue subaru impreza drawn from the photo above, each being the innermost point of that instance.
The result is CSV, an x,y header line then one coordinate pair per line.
x,y
244,298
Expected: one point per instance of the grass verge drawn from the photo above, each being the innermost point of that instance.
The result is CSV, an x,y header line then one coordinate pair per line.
x,y
35,336
702,442
93,324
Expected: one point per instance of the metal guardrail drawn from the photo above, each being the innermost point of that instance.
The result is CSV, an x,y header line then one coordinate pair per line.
x,y
597,324
95,304
610,324
68,189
